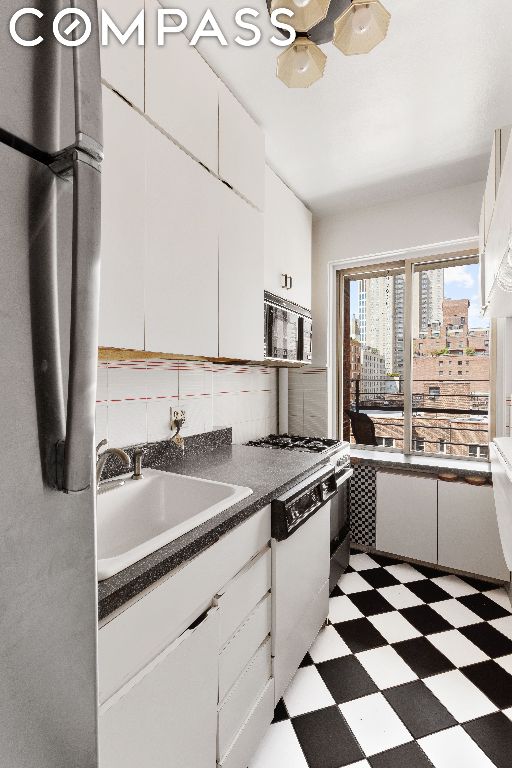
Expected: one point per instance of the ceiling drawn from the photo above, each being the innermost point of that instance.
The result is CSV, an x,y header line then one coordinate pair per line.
x,y
413,116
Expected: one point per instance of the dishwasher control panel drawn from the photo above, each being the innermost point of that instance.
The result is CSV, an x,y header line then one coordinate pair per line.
x,y
298,505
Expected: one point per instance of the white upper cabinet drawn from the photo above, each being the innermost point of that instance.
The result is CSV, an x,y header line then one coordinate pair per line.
x,y
182,93
241,327
241,149
122,66
181,272
123,225
288,226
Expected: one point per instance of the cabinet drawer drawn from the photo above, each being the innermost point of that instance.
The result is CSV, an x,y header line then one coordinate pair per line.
x,y
167,715
252,732
243,696
243,593
242,646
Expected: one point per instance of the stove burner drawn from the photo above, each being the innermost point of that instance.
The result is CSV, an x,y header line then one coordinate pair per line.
x,y
296,443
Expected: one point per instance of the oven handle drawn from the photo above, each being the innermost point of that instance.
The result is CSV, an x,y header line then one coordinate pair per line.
x,y
341,479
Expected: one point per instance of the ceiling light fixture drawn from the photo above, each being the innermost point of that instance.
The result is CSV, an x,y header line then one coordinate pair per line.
x,y
353,26
307,13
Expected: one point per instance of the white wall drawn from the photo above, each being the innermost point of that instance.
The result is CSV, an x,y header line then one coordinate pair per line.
x,y
449,214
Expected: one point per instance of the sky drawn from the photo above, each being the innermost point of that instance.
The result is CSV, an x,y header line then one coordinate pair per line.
x,y
461,282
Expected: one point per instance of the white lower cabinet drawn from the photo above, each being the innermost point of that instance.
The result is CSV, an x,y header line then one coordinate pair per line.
x,y
207,697
407,515
166,717
469,539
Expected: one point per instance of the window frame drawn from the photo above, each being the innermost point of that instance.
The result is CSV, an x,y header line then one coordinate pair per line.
x,y
373,267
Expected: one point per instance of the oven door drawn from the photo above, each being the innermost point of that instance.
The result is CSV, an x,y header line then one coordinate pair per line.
x,y
340,528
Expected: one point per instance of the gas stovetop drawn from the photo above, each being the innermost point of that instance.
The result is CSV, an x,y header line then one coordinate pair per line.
x,y
297,443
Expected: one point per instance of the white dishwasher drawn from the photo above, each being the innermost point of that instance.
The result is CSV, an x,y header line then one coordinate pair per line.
x,y
300,571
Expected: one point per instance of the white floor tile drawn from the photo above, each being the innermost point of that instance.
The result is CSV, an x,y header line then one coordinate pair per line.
x,y
307,692
455,613
343,609
460,697
386,667
457,648
454,586
353,582
394,627
506,663
508,713
405,572
360,764
503,625
501,597
328,645
375,724
362,562
280,747
400,597
453,748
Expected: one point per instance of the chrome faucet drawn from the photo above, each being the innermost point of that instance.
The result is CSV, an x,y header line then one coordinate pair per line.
x,y
138,455
101,460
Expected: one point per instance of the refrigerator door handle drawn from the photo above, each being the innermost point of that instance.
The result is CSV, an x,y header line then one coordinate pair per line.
x,y
87,71
75,454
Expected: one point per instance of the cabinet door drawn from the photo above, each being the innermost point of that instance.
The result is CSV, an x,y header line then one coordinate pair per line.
x,y
241,317
288,225
181,252
167,715
123,225
122,66
241,149
182,94
407,516
469,539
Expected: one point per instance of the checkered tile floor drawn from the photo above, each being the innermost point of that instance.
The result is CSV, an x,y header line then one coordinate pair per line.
x,y
415,670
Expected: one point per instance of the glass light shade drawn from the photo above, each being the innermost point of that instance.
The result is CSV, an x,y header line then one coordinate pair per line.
x,y
302,64
307,13
361,27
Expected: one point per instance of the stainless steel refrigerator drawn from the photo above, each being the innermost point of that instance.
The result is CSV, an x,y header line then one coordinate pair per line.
x,y
50,153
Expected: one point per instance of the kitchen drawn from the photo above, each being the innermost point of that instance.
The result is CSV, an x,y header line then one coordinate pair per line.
x,y
240,271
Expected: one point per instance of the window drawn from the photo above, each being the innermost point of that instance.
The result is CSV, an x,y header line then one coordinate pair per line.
x,y
479,451
424,386
388,442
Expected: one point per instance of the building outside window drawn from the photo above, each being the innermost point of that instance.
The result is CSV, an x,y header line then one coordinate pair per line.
x,y
443,412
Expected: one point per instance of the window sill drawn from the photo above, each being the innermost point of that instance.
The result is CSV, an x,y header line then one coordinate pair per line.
x,y
430,464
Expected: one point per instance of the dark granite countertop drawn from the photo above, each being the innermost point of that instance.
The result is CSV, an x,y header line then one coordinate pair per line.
x,y
431,465
269,473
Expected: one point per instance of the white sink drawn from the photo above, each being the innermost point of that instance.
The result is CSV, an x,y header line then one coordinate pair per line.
x,y
141,516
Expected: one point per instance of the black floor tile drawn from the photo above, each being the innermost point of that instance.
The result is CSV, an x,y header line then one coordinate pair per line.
x,y
336,592
482,586
425,620
426,570
379,578
493,734
427,591
493,681
484,607
488,639
360,635
307,661
346,679
421,712
280,712
407,756
326,739
422,657
384,559
371,603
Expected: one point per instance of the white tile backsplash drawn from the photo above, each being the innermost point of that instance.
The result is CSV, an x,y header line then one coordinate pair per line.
x,y
134,399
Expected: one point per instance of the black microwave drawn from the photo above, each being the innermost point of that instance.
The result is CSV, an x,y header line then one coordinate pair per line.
x,y
288,330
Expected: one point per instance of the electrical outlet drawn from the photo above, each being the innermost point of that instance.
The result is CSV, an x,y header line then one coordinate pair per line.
x,y
179,415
